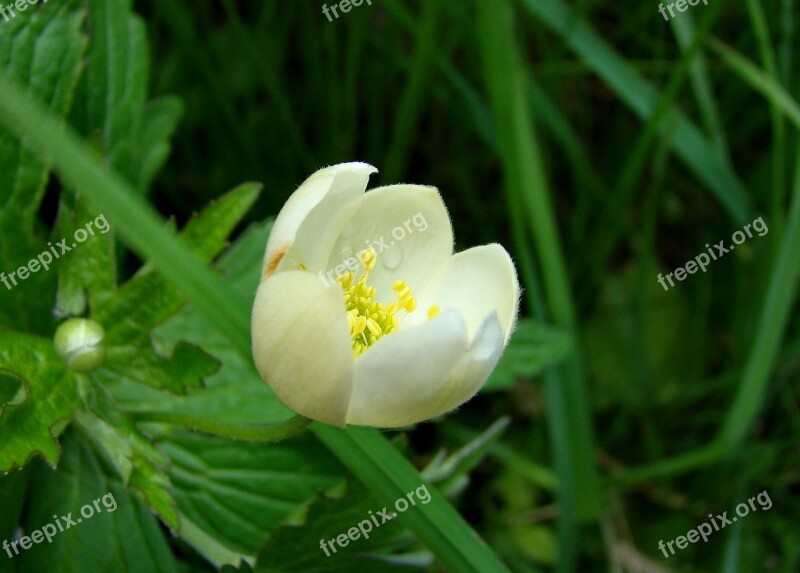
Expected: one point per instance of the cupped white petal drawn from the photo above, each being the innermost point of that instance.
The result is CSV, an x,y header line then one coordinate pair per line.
x,y
301,345
313,216
474,282
474,368
410,230
402,379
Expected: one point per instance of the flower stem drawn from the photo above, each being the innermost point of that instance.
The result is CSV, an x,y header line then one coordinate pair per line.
x,y
252,433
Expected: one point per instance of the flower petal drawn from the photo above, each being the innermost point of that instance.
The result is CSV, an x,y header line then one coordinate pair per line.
x,y
472,371
301,345
402,378
474,282
313,216
410,230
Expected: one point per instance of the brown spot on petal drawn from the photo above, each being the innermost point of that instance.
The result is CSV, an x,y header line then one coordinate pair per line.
x,y
274,260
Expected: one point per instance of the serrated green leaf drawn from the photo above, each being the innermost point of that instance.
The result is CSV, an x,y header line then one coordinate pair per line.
x,y
34,426
134,134
238,492
147,300
13,390
89,272
532,348
140,465
296,548
235,394
206,234
186,368
109,440
152,147
43,50
242,262
125,538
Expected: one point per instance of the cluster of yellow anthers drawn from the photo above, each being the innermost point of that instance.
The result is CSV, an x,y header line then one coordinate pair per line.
x,y
370,320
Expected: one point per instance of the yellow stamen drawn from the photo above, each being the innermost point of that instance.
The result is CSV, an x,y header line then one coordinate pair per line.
x,y
345,280
368,258
367,319
433,311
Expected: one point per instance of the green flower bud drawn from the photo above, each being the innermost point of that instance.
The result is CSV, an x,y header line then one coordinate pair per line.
x,y
79,342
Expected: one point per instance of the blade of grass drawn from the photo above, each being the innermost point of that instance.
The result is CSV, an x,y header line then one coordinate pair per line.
x,y
759,81
365,452
410,102
687,141
569,419
684,30
787,39
634,167
778,195
776,309
368,454
539,475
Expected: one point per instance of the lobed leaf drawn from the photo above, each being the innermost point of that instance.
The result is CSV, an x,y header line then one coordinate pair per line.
x,y
33,427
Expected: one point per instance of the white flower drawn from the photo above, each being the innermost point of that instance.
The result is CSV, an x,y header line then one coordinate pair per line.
x,y
365,316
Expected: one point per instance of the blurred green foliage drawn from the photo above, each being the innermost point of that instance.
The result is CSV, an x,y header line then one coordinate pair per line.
x,y
601,144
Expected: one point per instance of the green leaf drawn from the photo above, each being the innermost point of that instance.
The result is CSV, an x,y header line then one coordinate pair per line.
x,y
89,271
237,493
140,465
110,440
235,393
120,534
532,348
152,146
113,95
147,300
390,476
296,548
206,234
13,390
43,51
454,469
187,367
33,427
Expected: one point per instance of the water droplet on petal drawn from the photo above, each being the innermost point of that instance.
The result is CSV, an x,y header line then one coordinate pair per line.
x,y
392,258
